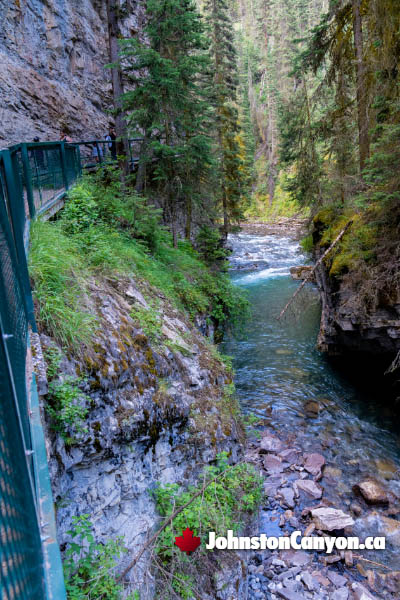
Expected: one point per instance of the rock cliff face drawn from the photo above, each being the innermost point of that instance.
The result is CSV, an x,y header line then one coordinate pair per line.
x,y
157,414
345,327
52,67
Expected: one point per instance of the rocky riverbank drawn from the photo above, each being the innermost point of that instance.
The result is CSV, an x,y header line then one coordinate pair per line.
x,y
291,226
297,499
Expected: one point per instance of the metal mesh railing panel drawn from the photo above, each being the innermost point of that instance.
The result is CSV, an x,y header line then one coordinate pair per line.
x,y
46,174
21,564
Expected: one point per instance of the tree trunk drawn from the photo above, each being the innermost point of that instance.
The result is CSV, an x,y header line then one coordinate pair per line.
x,y
113,13
362,102
143,160
188,225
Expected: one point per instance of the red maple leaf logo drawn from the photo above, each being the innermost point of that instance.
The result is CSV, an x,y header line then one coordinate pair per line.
x,y
187,542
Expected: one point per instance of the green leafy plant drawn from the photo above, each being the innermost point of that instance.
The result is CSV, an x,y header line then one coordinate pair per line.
x,y
53,358
67,407
89,567
150,321
236,491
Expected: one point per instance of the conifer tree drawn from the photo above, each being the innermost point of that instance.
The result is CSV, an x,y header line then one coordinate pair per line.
x,y
232,173
168,104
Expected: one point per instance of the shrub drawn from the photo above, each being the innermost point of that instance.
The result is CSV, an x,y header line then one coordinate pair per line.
x,y
233,492
89,568
67,407
236,490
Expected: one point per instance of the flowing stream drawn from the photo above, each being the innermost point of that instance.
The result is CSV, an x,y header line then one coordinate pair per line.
x,y
279,372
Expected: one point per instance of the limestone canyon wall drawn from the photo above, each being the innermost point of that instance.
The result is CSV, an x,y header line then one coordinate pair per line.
x,y
52,67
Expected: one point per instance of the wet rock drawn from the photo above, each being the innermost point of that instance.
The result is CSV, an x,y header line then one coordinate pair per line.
x,y
296,558
340,594
386,468
310,583
290,455
287,494
378,524
372,491
289,594
311,488
333,472
337,580
312,409
309,529
320,578
274,464
356,509
302,272
314,463
361,593
348,558
271,443
329,519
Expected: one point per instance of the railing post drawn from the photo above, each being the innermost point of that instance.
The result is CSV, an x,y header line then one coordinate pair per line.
x,y
78,158
28,179
99,153
64,165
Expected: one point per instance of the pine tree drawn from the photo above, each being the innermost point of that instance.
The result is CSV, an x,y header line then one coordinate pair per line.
x,y
168,104
232,174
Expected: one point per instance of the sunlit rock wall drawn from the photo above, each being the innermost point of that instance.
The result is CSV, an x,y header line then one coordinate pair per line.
x,y
52,67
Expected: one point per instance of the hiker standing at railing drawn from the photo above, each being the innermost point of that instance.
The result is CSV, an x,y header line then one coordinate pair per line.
x,y
65,137
112,146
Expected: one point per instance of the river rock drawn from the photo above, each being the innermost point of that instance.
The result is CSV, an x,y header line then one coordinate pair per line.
x,y
274,464
309,487
289,594
310,583
296,558
386,467
290,455
372,491
302,272
337,580
287,494
329,519
361,593
314,463
271,443
340,594
356,509
312,409
333,472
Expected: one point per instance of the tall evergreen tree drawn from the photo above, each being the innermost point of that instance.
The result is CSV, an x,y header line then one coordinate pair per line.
x,y
168,104
223,54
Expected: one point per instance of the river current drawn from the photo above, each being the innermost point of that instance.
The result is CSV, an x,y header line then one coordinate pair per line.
x,y
280,374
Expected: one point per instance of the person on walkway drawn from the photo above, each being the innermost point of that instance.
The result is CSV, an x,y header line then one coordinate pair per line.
x,y
112,146
65,137
97,152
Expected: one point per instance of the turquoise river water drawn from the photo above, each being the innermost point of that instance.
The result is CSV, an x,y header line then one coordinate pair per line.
x,y
279,370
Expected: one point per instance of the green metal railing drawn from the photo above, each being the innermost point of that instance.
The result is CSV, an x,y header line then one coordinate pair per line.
x,y
33,179
94,153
